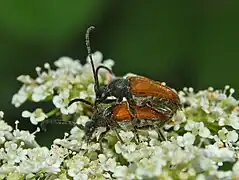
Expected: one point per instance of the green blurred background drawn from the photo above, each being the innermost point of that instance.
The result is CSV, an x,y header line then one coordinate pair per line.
x,y
184,43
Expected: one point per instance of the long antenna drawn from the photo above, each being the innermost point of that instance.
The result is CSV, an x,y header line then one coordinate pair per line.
x,y
80,100
102,67
87,42
44,123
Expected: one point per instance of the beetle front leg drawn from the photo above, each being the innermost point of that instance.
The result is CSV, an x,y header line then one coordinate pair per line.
x,y
108,101
130,101
160,134
102,135
136,134
133,114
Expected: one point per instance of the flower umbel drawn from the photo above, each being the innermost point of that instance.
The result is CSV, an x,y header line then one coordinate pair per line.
x,y
201,145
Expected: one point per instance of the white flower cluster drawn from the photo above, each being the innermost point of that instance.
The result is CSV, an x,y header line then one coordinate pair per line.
x,y
202,139
71,79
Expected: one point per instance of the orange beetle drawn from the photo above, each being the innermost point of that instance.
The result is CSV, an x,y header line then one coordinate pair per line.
x,y
138,90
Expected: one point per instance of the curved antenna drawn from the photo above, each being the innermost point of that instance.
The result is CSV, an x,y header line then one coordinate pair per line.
x,y
44,123
102,67
87,42
80,100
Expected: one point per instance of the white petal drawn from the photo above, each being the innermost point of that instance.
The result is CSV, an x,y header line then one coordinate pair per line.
x,y
26,114
57,101
232,136
33,119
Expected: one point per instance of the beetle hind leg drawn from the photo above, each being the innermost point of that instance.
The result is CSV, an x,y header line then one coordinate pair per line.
x,y
102,135
118,136
133,114
136,135
161,136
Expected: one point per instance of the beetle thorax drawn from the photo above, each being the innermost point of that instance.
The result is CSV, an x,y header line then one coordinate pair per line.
x,y
118,87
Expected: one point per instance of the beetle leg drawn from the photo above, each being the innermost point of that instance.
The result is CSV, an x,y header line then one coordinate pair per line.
x,y
131,110
162,123
164,109
136,135
151,106
44,123
118,136
129,103
102,135
160,135
133,114
112,124
109,101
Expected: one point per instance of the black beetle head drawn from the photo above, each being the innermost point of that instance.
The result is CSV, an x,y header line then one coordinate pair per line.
x,y
101,94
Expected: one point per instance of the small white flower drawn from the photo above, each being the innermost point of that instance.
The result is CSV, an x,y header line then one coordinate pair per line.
x,y
1,114
207,164
234,121
123,148
76,165
2,138
80,176
107,164
40,93
120,172
235,169
59,103
221,121
109,63
26,137
232,136
19,98
126,136
219,154
222,133
188,139
146,168
200,177
217,111
204,103
190,125
204,132
35,117
70,65
82,120
180,141
26,79
83,95
72,108
97,56
4,127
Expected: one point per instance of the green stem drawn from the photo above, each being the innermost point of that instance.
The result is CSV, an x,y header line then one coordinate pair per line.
x,y
52,112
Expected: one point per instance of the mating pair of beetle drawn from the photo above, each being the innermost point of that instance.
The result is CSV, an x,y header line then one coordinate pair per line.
x,y
149,103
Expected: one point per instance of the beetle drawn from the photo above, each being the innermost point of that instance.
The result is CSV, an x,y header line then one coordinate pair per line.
x,y
117,115
137,90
